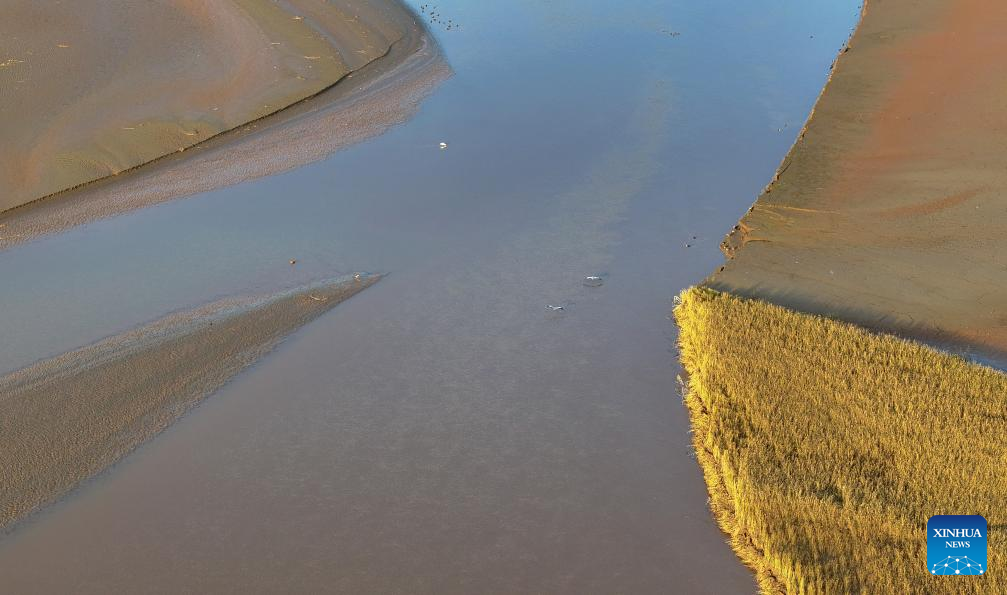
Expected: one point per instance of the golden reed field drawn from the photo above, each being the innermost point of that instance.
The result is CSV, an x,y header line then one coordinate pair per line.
x,y
826,447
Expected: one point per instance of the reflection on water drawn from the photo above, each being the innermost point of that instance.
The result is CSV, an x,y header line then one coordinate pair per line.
x,y
446,432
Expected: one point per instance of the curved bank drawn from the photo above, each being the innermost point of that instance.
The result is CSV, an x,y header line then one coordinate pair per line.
x,y
341,72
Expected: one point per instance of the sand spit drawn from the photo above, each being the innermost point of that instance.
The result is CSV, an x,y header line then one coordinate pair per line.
x,y
379,64
888,211
67,418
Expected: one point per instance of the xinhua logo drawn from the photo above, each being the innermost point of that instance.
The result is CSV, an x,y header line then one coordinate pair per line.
x,y
956,544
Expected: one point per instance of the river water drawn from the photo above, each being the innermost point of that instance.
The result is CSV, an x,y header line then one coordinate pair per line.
x,y
445,431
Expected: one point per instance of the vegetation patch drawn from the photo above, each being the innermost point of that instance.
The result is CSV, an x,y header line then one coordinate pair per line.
x,y
826,447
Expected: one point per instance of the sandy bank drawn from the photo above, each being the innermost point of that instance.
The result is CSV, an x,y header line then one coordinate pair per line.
x,y
887,212
69,417
92,110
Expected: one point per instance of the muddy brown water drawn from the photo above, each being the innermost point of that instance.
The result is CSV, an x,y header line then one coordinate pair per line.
x,y
445,431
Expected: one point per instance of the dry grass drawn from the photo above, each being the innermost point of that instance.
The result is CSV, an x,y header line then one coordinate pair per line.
x,y
826,448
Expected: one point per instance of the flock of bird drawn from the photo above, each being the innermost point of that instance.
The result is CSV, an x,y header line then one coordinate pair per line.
x,y
435,17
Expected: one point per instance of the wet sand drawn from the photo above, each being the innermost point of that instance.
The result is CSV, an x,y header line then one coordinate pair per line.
x,y
79,110
887,212
71,416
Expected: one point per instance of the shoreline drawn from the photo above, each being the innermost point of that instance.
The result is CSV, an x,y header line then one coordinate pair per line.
x,y
76,414
861,290
362,104
98,92
871,214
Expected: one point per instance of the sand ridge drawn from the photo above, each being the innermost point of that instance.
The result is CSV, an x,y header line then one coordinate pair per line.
x,y
68,417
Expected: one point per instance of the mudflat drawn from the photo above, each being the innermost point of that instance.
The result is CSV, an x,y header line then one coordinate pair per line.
x,y
91,89
888,210
69,417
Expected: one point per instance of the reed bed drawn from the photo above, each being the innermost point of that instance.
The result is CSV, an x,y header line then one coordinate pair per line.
x,y
826,447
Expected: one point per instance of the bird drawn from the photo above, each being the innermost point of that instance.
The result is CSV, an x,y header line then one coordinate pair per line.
x,y
443,146
555,308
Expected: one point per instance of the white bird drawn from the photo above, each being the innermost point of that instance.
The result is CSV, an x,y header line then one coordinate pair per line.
x,y
443,146
555,308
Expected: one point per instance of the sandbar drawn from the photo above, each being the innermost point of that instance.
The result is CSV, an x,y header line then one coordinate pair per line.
x,y
65,419
377,62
